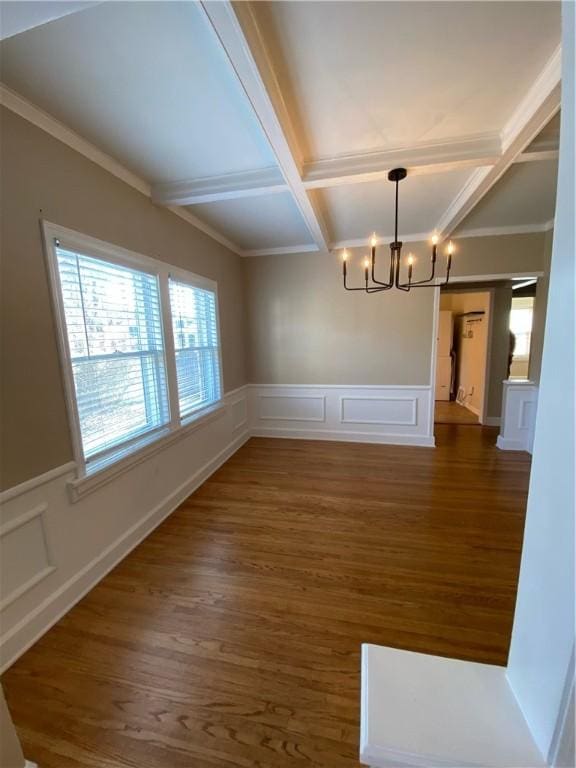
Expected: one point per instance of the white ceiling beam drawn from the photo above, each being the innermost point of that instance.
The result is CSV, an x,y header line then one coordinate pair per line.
x,y
229,186
435,157
533,113
439,157
363,242
282,251
239,37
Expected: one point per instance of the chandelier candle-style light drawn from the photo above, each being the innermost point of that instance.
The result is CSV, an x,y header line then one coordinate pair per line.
x,y
371,284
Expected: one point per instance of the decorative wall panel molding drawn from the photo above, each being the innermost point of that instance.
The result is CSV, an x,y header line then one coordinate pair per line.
x,y
18,574
387,411
519,403
291,407
375,414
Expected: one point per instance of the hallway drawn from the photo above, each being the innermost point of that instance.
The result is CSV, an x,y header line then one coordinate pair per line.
x,y
453,413
231,636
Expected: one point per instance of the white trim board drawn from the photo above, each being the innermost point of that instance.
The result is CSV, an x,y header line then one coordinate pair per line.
x,y
344,437
520,229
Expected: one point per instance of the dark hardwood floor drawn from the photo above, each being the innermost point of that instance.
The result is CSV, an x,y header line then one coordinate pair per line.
x,y
231,636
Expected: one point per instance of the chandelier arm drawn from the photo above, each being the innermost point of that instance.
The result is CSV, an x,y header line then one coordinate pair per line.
x,y
423,282
390,283
370,289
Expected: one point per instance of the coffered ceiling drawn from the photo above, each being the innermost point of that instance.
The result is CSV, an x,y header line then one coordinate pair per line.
x,y
272,125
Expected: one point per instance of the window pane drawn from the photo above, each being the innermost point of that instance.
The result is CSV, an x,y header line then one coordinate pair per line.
x,y
521,317
196,343
113,322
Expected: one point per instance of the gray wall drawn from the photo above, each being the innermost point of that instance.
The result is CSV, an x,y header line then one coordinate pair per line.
x,y
500,340
305,329
41,177
540,306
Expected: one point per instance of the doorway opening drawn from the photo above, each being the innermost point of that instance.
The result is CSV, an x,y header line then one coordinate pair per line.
x,y
462,356
489,338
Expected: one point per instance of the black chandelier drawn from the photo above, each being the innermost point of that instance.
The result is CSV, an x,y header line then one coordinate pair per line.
x,y
371,284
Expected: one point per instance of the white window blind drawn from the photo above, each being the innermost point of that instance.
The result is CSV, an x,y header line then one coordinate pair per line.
x,y
114,330
195,328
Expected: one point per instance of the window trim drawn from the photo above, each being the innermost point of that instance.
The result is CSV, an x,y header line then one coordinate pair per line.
x,y
177,426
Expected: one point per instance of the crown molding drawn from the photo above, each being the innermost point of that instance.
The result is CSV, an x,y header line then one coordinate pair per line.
x,y
33,114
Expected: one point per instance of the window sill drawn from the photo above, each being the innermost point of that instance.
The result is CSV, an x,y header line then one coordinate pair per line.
x,y
90,481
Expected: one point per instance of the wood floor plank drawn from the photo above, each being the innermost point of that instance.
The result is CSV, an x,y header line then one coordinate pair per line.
x,y
231,636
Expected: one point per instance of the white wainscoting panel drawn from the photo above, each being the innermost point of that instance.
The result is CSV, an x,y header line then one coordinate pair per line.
x,y
374,414
25,533
291,407
55,550
519,403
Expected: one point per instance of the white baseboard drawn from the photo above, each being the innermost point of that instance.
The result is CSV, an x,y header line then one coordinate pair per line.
x,y
507,444
492,421
344,437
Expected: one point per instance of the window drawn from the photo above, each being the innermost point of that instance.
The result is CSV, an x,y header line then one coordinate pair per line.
x,y
140,344
521,316
196,344
521,325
